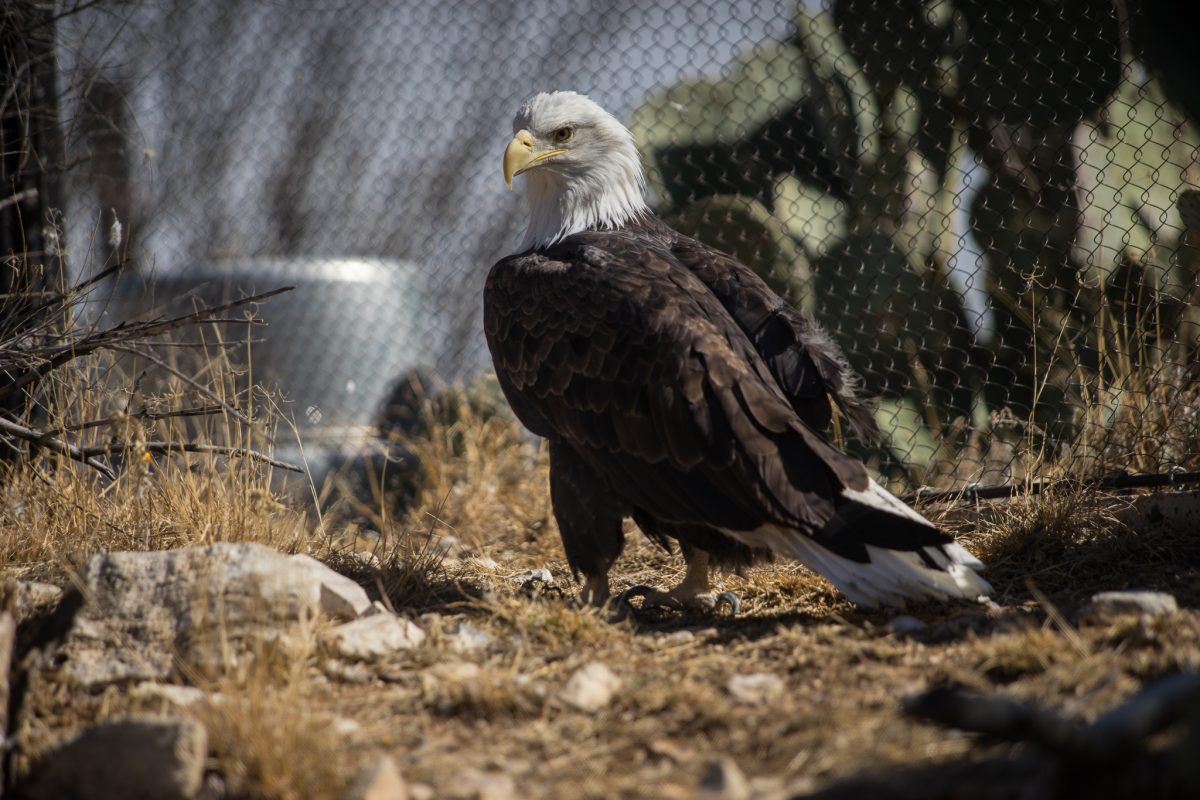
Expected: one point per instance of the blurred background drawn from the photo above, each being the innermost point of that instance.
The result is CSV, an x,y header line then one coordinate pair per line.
x,y
993,207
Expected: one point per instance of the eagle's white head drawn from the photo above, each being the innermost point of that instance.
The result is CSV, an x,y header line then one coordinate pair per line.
x,y
580,164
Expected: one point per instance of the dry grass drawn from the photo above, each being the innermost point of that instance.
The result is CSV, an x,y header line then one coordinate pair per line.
x,y
57,513
1122,397
295,727
274,733
485,478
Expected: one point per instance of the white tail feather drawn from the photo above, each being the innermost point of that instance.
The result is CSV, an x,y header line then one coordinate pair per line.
x,y
890,577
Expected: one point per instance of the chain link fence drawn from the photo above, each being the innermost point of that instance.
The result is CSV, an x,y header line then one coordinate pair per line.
x,y
993,207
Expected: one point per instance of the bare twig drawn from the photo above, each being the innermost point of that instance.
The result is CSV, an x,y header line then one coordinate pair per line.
x,y
166,448
199,411
55,444
192,382
1114,482
79,288
19,197
58,355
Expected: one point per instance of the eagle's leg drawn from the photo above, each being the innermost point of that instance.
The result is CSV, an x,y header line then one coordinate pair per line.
x,y
589,520
595,590
691,593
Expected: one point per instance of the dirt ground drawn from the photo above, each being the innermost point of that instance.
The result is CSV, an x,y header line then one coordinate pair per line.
x,y
842,671
462,712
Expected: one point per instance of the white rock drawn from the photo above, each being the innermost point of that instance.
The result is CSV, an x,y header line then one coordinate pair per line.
x,y
141,758
376,608
466,638
35,598
541,575
1151,603
344,726
375,636
340,597
678,637
591,687
421,791
379,780
756,688
347,671
471,783
147,611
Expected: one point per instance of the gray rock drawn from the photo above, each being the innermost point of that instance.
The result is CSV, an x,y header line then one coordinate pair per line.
x,y
467,638
756,688
35,599
1150,603
591,687
677,638
723,780
141,757
374,637
541,575
348,671
199,604
379,780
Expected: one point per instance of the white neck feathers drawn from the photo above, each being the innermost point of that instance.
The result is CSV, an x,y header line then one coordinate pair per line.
x,y
601,194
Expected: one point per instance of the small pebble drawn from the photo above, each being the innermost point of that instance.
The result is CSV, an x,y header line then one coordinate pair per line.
x,y
379,780
542,575
1150,603
591,687
374,636
467,638
756,688
476,784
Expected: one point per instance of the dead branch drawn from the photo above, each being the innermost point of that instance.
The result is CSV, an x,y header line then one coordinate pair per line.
x,y
150,416
19,197
167,448
192,382
52,357
1117,756
56,445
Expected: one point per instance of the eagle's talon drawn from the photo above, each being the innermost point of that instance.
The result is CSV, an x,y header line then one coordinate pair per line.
x,y
652,598
730,599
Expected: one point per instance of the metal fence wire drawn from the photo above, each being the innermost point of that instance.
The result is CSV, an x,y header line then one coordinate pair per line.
x,y
993,206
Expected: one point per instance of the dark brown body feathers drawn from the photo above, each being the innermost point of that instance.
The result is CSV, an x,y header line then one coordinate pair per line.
x,y
676,388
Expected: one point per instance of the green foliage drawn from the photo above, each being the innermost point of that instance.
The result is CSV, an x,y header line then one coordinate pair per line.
x,y
837,163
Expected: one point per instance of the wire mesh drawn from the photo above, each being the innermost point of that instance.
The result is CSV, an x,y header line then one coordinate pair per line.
x,y
992,206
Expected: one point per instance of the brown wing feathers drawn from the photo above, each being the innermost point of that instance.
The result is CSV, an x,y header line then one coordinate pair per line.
x,y
802,358
641,368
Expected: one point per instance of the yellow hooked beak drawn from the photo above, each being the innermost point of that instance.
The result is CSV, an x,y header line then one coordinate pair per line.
x,y
519,156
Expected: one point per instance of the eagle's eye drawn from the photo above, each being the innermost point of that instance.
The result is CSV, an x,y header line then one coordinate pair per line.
x,y
563,135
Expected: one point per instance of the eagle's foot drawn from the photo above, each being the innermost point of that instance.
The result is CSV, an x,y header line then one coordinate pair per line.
x,y
680,600
652,599
691,595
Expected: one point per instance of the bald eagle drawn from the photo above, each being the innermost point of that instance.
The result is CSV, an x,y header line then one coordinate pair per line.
x,y
674,387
